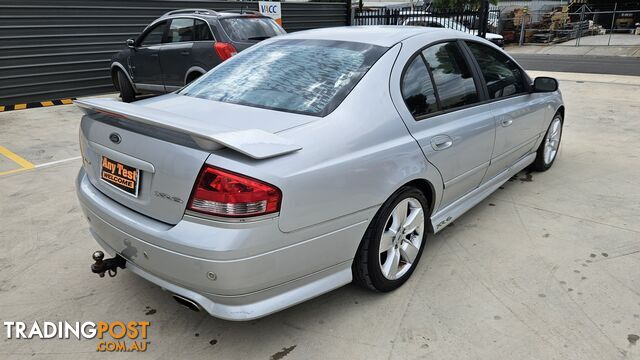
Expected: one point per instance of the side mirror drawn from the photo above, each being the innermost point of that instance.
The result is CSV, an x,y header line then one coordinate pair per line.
x,y
545,84
131,43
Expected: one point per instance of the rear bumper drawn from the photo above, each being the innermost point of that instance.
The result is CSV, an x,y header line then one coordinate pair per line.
x,y
258,269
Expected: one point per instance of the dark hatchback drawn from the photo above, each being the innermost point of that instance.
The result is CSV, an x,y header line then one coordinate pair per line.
x,y
184,44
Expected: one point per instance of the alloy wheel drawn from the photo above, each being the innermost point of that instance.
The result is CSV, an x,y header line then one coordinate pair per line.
x,y
401,239
552,141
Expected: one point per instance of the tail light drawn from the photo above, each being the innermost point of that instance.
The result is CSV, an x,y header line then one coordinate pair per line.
x,y
225,50
222,193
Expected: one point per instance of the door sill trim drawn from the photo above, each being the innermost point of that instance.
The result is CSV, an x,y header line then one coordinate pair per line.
x,y
447,215
150,87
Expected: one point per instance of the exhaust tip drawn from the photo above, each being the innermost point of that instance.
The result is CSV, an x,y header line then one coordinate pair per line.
x,y
188,303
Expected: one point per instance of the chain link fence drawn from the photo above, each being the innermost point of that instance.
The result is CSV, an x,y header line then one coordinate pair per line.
x,y
458,19
571,26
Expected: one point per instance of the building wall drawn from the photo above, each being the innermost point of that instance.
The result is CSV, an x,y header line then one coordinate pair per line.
x,y
62,48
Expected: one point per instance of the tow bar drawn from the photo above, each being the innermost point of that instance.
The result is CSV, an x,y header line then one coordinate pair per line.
x,y
109,265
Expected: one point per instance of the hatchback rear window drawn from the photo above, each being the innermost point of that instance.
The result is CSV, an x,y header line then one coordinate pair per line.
x,y
250,28
301,76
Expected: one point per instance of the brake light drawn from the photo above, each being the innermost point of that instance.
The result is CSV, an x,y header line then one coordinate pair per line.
x,y
225,50
222,193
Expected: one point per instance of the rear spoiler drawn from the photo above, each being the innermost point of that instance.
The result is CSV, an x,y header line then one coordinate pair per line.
x,y
255,143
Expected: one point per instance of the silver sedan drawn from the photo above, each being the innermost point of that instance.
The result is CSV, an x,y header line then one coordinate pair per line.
x,y
309,161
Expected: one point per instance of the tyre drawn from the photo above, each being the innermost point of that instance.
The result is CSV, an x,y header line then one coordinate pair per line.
x,y
548,149
191,77
392,245
127,94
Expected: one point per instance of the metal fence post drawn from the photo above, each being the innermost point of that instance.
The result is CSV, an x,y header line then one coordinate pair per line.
x,y
580,26
349,5
483,19
613,22
524,18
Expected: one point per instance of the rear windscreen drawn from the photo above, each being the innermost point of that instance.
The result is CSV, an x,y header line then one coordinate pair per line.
x,y
250,28
301,76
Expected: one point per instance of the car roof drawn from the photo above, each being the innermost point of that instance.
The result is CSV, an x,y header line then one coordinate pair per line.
x,y
383,35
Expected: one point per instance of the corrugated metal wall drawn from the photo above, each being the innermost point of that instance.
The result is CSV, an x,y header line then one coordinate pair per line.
x,y
62,48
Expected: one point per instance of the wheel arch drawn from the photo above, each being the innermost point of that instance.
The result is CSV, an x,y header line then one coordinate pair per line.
x,y
561,111
427,189
115,67
192,71
114,78
368,275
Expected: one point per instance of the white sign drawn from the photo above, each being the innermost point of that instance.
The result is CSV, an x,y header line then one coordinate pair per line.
x,y
272,9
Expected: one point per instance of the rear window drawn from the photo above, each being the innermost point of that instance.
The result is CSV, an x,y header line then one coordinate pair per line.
x,y
250,28
301,76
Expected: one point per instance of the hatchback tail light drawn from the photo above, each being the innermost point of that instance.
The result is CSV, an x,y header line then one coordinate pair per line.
x,y
225,50
222,193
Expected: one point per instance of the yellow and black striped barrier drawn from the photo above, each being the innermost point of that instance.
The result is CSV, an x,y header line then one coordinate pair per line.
x,y
37,104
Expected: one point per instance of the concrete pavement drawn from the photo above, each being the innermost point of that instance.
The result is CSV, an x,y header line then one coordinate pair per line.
x,y
582,50
619,39
545,268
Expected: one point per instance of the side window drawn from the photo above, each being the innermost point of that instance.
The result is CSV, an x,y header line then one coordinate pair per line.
x,y
154,36
181,30
451,75
417,89
502,75
203,33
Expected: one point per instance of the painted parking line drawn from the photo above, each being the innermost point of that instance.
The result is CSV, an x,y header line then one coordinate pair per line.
x,y
58,162
24,164
12,171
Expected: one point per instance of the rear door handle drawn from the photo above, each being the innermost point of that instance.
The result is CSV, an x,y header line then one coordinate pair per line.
x,y
185,52
506,122
441,142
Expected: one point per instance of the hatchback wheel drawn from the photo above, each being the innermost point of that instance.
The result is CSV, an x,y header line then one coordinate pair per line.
x,y
194,75
549,147
127,94
393,243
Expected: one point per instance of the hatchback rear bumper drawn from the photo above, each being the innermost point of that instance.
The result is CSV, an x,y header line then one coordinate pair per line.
x,y
266,271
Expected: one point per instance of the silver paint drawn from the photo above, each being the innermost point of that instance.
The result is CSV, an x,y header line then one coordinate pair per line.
x,y
346,166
